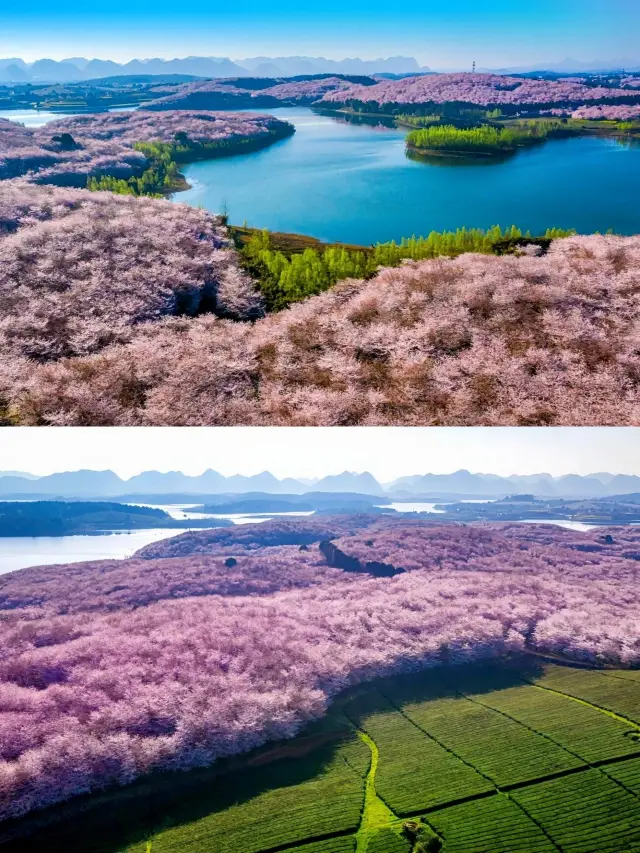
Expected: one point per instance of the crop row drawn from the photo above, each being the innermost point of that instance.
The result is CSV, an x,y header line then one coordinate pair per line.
x,y
305,789
329,801
494,824
414,771
346,844
627,773
388,841
583,730
585,813
504,750
620,694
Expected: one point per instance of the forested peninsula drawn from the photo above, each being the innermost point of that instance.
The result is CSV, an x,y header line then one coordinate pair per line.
x,y
61,518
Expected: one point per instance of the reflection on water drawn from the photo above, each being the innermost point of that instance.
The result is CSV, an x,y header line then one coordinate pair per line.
x,y
571,525
351,118
347,181
449,160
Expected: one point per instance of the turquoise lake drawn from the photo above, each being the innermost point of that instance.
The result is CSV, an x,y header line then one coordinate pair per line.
x,y
337,180
341,181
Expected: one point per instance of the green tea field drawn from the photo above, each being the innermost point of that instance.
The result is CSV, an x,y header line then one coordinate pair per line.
x,y
512,757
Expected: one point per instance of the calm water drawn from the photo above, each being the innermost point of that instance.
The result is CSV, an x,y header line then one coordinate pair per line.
x,y
340,181
22,551
32,118
571,525
418,506
431,507
352,182
36,118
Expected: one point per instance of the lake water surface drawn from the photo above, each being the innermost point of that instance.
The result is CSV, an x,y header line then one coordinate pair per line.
x,y
342,181
19,552
37,118
22,551
351,182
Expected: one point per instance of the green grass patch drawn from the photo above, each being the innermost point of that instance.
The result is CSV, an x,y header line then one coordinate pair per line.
x,y
402,746
577,728
627,773
288,810
626,674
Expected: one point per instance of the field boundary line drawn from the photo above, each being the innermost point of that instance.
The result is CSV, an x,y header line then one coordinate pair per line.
x,y
284,848
571,771
586,766
435,740
614,674
596,765
516,786
537,823
601,763
533,731
619,717
301,844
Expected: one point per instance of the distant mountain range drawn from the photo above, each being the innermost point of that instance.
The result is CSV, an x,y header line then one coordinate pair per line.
x,y
76,69
461,484
571,66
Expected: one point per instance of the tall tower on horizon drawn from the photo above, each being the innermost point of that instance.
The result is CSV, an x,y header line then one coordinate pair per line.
x,y
474,67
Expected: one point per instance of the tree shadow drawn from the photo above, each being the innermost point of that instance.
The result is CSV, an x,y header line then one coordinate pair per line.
x,y
109,821
440,683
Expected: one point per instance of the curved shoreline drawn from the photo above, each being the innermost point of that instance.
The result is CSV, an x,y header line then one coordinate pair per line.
x,y
254,144
217,151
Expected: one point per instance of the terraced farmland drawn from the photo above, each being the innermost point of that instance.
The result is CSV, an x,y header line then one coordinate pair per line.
x,y
496,824
414,772
519,757
627,773
579,730
472,731
585,812
620,695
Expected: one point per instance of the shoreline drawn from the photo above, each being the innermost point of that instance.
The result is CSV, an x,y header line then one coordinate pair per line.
x,y
460,155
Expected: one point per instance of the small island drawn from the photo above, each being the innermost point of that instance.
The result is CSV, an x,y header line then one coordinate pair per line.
x,y
484,141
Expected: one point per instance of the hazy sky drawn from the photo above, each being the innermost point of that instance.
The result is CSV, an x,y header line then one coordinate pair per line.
x,y
440,34
388,452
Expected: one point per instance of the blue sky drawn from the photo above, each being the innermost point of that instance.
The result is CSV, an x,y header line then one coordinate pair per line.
x,y
441,34
388,452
